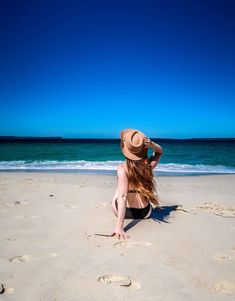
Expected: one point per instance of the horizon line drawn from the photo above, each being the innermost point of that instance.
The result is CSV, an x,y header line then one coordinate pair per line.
x,y
97,138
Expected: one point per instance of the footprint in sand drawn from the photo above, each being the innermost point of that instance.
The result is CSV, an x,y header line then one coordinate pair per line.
x,y
21,203
86,235
6,290
221,257
129,244
118,280
18,259
213,208
2,288
225,287
218,209
10,239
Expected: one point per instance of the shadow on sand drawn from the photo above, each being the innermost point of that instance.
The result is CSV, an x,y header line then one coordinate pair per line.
x,y
159,214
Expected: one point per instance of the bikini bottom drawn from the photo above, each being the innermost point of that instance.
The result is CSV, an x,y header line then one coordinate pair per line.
x,y
135,213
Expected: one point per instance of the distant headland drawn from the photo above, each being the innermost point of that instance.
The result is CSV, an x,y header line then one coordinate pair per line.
x,y
62,139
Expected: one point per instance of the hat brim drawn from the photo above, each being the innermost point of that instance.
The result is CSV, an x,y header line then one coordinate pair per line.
x,y
141,155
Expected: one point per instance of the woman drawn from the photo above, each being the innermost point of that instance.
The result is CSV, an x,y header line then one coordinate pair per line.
x,y
136,185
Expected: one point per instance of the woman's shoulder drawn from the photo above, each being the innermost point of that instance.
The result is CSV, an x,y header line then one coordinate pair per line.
x,y
122,169
122,166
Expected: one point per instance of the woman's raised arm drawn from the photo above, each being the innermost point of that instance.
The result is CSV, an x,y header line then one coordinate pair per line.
x,y
158,151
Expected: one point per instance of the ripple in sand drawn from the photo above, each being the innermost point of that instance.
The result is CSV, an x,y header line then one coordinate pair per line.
x,y
18,259
116,279
129,244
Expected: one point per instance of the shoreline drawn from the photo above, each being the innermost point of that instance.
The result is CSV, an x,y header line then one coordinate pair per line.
x,y
113,172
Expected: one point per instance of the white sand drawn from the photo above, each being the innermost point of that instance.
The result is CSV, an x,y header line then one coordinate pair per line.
x,y
48,250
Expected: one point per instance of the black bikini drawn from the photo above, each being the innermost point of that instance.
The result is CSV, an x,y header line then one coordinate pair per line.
x,y
135,213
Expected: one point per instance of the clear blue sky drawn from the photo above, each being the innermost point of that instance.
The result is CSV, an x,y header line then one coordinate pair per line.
x,y
91,68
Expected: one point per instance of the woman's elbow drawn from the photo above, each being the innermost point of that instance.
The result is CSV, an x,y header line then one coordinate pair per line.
x,y
122,198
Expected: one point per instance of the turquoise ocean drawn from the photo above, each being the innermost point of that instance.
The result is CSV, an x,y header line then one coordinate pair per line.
x,y
180,157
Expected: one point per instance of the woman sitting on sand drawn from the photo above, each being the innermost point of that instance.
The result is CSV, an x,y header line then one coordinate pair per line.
x,y
136,184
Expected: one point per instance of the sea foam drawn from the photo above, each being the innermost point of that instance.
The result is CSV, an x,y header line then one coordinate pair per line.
x,y
99,166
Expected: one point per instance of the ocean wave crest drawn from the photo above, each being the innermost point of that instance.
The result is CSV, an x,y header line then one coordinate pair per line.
x,y
111,166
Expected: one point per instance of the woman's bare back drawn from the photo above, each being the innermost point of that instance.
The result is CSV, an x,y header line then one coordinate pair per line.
x,y
134,199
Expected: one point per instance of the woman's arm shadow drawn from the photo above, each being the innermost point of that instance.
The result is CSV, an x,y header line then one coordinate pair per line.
x,y
159,214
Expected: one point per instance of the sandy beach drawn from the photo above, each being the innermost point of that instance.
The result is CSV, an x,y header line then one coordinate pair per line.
x,y
50,249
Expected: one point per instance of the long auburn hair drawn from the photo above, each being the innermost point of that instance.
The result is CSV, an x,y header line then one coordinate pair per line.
x,y
140,177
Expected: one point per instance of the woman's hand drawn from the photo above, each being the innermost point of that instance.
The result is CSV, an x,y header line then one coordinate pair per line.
x,y
146,142
120,233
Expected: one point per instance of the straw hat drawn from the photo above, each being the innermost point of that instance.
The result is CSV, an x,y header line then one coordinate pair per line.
x,y
132,145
